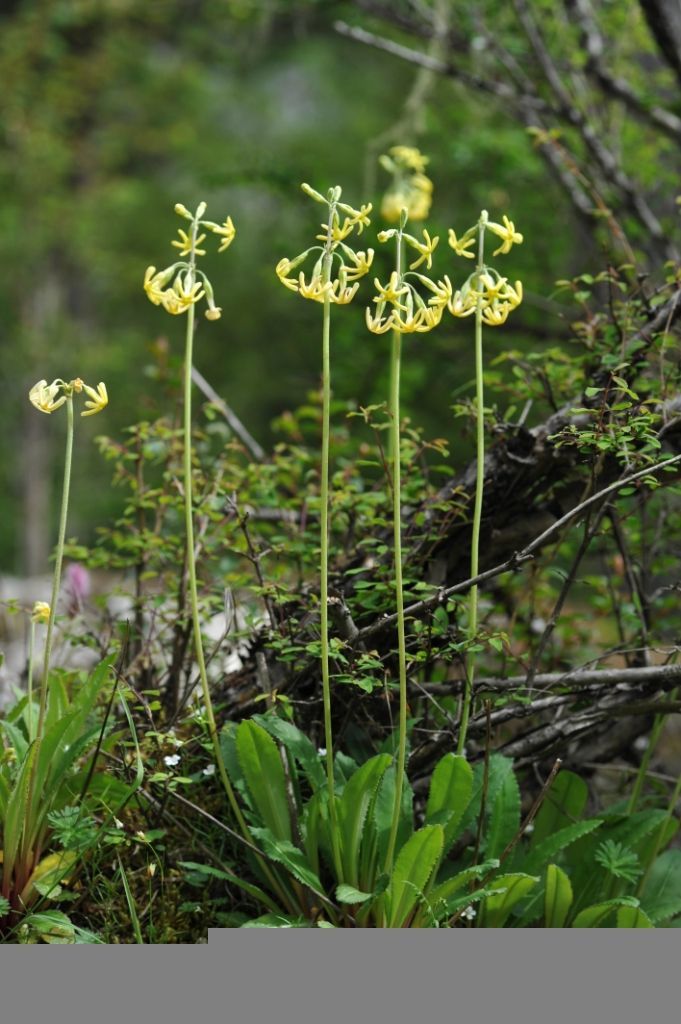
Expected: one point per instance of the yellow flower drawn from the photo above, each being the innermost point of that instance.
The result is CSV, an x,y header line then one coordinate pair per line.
x,y
185,244
507,233
340,294
426,249
422,320
315,290
359,218
41,612
154,284
226,230
460,245
442,290
213,312
376,323
182,295
283,267
362,263
409,157
98,399
42,395
496,313
464,302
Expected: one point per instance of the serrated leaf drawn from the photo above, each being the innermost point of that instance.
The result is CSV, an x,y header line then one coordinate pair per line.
x,y
415,864
298,745
352,810
661,894
504,820
563,805
284,852
451,788
633,917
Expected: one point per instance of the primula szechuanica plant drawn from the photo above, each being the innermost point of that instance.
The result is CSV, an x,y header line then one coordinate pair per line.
x,y
490,298
401,309
189,285
334,254
37,770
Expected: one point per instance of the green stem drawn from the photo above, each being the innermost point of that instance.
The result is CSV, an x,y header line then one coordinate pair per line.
x,y
324,562
477,512
56,576
29,687
191,566
395,365
655,732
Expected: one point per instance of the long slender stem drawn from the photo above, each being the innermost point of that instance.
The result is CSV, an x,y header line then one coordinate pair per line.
x,y
29,687
191,554
324,562
59,557
191,568
395,365
477,511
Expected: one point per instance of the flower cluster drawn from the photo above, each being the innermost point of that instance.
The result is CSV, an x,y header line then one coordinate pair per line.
x,y
411,189
486,289
351,265
49,397
399,305
176,288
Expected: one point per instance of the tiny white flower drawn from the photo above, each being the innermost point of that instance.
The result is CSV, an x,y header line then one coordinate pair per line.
x,y
322,751
118,823
171,760
209,770
469,913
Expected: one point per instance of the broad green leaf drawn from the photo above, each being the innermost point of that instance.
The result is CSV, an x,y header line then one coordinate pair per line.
x,y
563,805
596,915
498,907
633,917
264,773
348,894
661,893
284,852
504,821
451,788
499,769
352,810
298,745
277,921
381,818
557,897
52,926
417,861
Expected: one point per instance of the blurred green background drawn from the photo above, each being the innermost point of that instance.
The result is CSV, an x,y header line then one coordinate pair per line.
x,y
114,110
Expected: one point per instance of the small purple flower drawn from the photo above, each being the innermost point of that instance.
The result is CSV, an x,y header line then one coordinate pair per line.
x,y
78,586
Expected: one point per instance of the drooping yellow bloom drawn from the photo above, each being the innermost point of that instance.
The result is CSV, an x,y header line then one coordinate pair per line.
x,y
44,396
361,263
411,189
185,244
98,399
41,612
464,302
315,289
425,249
182,295
409,157
507,233
461,245
154,284
227,231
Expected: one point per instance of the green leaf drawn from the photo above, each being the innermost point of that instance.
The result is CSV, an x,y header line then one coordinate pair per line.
x,y
298,745
661,893
277,921
633,917
382,817
538,856
352,809
348,894
504,821
415,864
440,899
563,805
16,823
284,852
206,871
264,773
595,915
557,897
498,907
451,788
